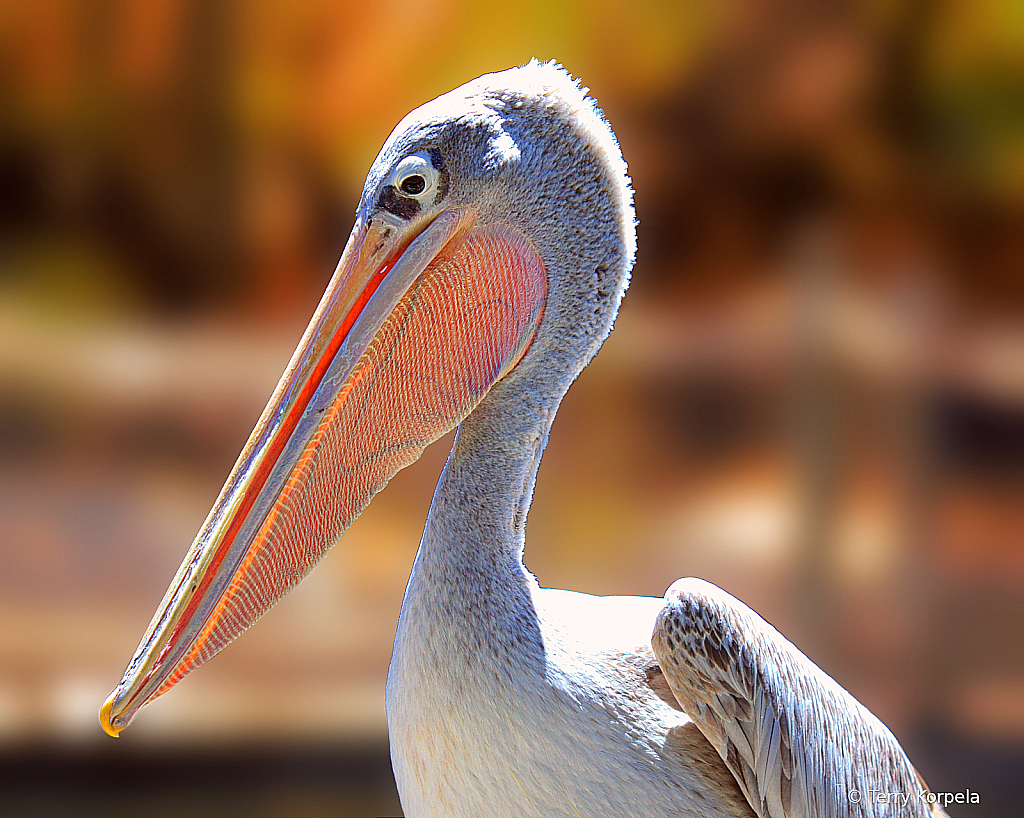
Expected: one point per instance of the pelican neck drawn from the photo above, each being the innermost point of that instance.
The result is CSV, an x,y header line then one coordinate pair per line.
x,y
474,535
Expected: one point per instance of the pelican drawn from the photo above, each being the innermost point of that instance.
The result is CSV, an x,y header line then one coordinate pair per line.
x,y
491,248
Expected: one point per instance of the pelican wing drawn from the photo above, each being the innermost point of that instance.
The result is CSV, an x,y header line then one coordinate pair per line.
x,y
799,745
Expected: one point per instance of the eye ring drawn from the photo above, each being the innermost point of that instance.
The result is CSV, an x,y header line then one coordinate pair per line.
x,y
415,175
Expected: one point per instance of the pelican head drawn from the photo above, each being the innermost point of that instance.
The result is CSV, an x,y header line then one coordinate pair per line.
x,y
492,245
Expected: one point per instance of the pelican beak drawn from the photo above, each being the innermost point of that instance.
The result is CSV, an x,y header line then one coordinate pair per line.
x,y
418,322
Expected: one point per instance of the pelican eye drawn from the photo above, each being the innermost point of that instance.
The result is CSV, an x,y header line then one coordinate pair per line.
x,y
413,185
415,175
418,181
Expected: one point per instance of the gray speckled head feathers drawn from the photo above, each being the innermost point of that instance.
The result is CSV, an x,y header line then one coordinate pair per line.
x,y
527,146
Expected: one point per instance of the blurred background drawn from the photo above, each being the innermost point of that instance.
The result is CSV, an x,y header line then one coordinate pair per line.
x,y
814,395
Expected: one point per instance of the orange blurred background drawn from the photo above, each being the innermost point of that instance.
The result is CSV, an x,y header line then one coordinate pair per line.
x,y
814,395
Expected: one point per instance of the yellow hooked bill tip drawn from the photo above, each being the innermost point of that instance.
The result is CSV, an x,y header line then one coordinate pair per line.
x,y
106,722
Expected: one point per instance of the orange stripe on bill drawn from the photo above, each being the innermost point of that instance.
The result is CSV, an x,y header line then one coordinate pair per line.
x,y
419,321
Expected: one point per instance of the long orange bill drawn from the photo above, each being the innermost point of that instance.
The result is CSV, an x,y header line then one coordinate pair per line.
x,y
416,325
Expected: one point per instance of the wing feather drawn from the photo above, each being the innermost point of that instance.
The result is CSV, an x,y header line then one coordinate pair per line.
x,y
797,743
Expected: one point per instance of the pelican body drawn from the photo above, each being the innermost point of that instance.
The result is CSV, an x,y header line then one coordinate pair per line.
x,y
491,248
